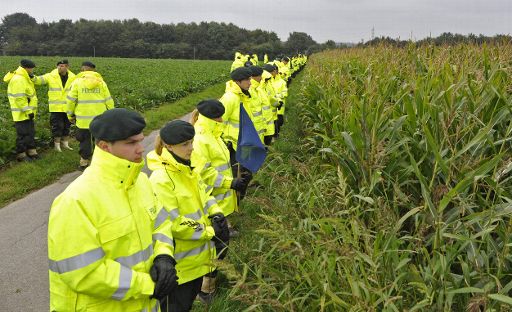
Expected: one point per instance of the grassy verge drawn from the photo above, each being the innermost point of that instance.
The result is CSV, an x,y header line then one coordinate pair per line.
x,y
251,265
17,180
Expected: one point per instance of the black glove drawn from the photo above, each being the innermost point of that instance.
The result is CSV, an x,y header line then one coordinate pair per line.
x,y
31,116
220,226
163,274
239,184
280,104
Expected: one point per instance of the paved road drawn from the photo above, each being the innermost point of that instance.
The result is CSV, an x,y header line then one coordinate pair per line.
x,y
23,245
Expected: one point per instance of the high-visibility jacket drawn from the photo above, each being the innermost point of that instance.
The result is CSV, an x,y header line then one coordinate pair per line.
x,y
104,231
232,99
184,197
21,93
217,173
281,92
265,58
56,91
270,106
254,59
89,97
257,102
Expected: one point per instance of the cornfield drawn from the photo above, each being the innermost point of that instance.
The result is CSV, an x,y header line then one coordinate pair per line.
x,y
397,193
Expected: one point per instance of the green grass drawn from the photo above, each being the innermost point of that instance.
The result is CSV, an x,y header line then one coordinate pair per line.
x,y
139,84
246,281
18,180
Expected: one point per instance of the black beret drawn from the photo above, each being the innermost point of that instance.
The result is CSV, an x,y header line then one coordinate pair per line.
x,y
241,73
25,63
211,108
64,61
269,67
256,70
89,64
176,132
116,124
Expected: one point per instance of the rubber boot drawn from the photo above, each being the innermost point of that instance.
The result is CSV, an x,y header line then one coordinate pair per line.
x,y
22,157
32,153
207,290
84,163
65,143
56,143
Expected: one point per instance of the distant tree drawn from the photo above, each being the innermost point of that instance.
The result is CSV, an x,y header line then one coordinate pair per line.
x,y
19,33
298,42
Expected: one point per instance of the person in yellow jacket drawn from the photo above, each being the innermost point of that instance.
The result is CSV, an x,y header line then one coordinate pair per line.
x,y
270,110
208,145
89,97
59,83
236,94
238,62
23,101
110,244
281,90
259,100
198,225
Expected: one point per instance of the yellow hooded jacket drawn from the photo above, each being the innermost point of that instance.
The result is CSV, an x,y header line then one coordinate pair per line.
x,y
184,197
21,93
104,231
56,91
232,99
217,173
89,97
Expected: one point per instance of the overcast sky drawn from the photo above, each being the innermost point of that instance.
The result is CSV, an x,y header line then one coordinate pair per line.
x,y
339,20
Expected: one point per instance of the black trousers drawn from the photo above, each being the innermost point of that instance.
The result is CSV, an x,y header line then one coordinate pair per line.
x,y
59,124
25,135
183,297
86,143
267,140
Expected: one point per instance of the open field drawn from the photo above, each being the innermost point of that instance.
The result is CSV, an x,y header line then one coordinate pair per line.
x,y
135,83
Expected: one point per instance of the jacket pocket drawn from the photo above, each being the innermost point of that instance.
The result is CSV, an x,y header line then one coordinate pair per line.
x,y
116,229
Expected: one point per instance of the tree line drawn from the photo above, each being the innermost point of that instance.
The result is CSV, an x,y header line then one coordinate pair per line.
x,y
446,38
21,34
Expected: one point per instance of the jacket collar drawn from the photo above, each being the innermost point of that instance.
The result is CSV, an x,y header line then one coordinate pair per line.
x,y
122,172
205,125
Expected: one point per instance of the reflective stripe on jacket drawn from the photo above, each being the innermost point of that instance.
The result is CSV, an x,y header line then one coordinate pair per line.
x,y
216,172
21,94
56,92
100,239
231,100
89,97
259,100
187,204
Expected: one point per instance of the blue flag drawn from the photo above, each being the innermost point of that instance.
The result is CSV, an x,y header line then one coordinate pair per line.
x,y
250,152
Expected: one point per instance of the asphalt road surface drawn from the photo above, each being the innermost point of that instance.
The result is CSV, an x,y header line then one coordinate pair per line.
x,y
23,245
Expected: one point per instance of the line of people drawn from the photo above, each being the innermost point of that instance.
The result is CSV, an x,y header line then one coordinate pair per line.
x,y
72,98
120,241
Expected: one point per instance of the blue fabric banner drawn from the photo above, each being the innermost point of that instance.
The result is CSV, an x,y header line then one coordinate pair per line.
x,y
250,152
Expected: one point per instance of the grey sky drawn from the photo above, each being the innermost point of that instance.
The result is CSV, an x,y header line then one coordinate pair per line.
x,y
341,20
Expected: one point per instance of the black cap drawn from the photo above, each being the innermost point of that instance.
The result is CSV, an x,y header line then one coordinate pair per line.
x,y
211,108
25,63
116,124
256,70
241,73
269,67
248,64
176,132
64,61
89,64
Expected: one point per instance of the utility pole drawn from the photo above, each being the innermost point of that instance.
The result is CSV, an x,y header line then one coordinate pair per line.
x,y
93,51
373,33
